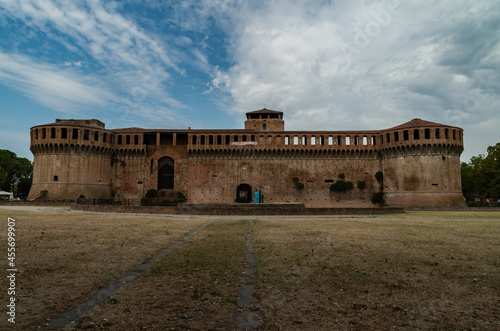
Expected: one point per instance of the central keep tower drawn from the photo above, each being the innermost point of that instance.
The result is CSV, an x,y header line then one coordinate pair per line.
x,y
265,120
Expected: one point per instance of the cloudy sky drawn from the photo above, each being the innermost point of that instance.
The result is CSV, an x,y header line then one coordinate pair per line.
x,y
328,65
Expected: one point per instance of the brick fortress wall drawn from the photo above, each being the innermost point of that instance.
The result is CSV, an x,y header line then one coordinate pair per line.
x,y
419,160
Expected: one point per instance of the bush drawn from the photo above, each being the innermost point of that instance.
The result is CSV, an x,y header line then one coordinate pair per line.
x,y
180,197
81,196
379,176
361,184
298,184
378,198
342,176
151,194
341,186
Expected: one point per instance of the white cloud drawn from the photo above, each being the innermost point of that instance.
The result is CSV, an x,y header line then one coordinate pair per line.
x,y
130,68
327,65
106,35
62,90
402,61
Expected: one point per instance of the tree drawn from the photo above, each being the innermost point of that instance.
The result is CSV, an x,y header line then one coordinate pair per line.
x,y
481,176
491,168
16,173
468,183
3,177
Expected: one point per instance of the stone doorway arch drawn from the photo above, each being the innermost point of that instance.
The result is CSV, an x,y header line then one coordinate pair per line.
x,y
244,193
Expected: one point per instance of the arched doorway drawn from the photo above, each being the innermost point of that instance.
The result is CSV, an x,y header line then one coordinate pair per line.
x,y
165,173
244,193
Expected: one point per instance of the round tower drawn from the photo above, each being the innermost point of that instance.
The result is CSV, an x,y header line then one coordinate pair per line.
x,y
71,158
421,165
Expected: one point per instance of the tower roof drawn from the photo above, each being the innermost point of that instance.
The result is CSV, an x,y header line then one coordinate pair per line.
x,y
416,123
265,111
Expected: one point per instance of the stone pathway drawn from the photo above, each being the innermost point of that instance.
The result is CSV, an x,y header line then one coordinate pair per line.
x,y
98,297
248,319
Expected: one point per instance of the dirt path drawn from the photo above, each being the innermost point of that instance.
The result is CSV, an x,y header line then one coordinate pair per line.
x,y
98,297
248,318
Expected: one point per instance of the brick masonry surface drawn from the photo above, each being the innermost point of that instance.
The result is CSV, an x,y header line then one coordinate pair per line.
x,y
420,161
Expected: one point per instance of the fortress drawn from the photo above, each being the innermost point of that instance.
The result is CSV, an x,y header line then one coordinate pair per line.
x,y
419,160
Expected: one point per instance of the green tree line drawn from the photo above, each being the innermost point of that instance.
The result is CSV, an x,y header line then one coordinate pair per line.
x,y
481,176
16,173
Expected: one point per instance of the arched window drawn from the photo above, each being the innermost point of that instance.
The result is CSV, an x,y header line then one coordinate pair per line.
x,y
165,173
264,126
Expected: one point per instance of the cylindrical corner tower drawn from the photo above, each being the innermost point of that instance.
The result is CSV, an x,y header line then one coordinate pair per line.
x,y
421,165
72,158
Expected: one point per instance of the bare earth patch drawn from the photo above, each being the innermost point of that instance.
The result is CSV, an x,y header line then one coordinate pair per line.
x,y
62,258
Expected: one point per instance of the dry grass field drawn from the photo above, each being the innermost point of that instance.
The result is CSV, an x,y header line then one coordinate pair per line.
x,y
62,258
418,270
431,271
